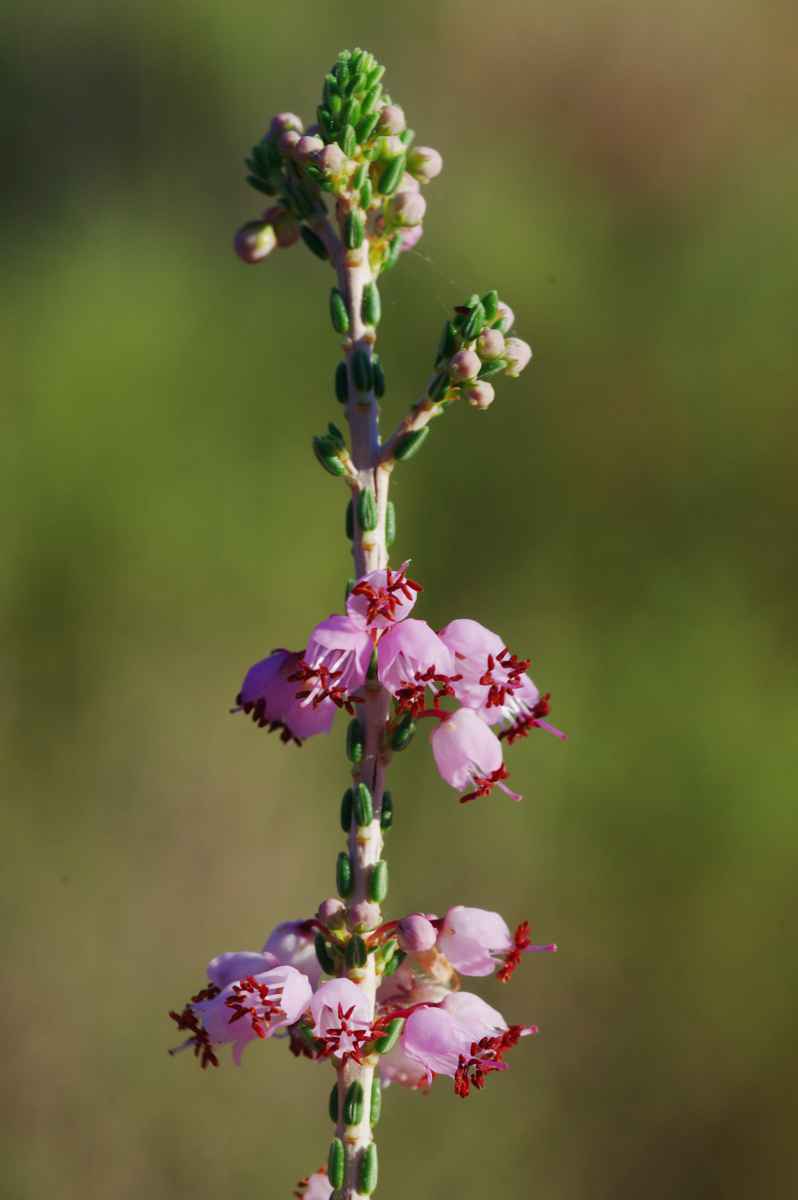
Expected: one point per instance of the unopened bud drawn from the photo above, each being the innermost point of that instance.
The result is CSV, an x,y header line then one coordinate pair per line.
x,y
331,159
407,208
425,163
490,344
480,394
254,241
330,910
308,145
391,147
408,238
464,365
289,141
284,223
284,122
518,354
505,317
364,915
416,933
392,119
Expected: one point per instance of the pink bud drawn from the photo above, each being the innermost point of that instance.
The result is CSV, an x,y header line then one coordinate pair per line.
x,y
254,241
392,119
285,121
331,159
425,163
365,914
391,147
308,145
416,933
490,344
518,353
480,394
330,909
410,237
289,141
408,208
463,365
284,223
506,316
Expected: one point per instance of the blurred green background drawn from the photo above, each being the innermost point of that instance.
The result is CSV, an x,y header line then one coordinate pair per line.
x,y
626,175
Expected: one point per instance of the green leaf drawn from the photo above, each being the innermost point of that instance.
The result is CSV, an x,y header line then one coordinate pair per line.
x,y
354,229
410,444
348,141
386,1043
368,1170
347,802
353,1103
378,881
375,1107
341,383
343,875
313,243
379,375
390,524
333,1104
371,309
260,186
338,312
490,303
336,1161
325,453
355,742
362,375
404,732
326,960
356,952
363,807
366,126
391,176
492,368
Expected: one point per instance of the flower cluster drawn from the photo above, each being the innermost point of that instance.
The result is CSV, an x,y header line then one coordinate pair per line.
x,y
424,1025
299,692
475,345
359,152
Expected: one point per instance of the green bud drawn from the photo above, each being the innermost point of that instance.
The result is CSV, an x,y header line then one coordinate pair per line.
x,y
367,511
403,733
335,1163
474,323
387,952
492,368
490,303
375,75
348,142
336,436
347,801
361,370
371,308
390,524
355,742
354,229
379,376
363,807
439,386
410,444
356,952
326,123
313,243
371,99
375,1108
394,250
343,875
338,314
324,449
386,813
368,1171
333,1104
341,383
326,960
351,114
366,194
393,964
386,1043
378,881
353,1104
366,126
391,175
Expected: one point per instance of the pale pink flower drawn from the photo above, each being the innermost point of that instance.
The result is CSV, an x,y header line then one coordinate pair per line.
x,y
335,663
435,1040
411,658
292,944
522,710
488,671
409,238
269,695
341,1019
468,755
473,939
398,1067
518,353
382,597
316,1187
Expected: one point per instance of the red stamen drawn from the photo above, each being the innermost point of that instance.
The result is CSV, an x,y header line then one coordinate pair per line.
x,y
484,784
523,725
512,959
498,689
384,601
261,1012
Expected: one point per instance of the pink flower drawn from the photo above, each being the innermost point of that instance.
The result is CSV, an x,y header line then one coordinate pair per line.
x,y
398,1067
382,597
269,695
341,1019
432,1038
416,933
475,941
469,755
410,237
489,672
292,944
237,1010
316,1187
523,709
411,658
335,663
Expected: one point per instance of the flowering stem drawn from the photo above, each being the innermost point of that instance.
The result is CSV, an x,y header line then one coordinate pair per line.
x,y
370,553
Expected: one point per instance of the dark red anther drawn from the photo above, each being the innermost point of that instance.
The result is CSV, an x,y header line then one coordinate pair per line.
x,y
524,724
512,959
484,784
384,601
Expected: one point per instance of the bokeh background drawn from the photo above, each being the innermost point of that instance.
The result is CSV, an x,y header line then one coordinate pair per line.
x,y
626,174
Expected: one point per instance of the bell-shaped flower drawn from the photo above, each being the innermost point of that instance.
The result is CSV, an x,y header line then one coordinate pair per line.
x,y
335,663
382,597
468,755
315,1187
434,1039
269,695
341,1019
473,939
292,944
489,672
411,658
522,710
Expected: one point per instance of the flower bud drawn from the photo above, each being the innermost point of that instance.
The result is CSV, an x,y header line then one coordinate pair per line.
x,y
490,344
425,163
518,354
408,184
284,122
416,933
392,119
308,145
331,159
505,317
289,141
330,909
284,223
407,208
365,914
409,238
480,394
391,147
464,365
254,241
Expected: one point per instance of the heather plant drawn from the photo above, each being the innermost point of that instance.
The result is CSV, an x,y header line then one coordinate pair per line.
x,y
377,997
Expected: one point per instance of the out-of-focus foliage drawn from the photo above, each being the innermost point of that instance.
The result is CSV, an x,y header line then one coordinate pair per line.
x,y
626,175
